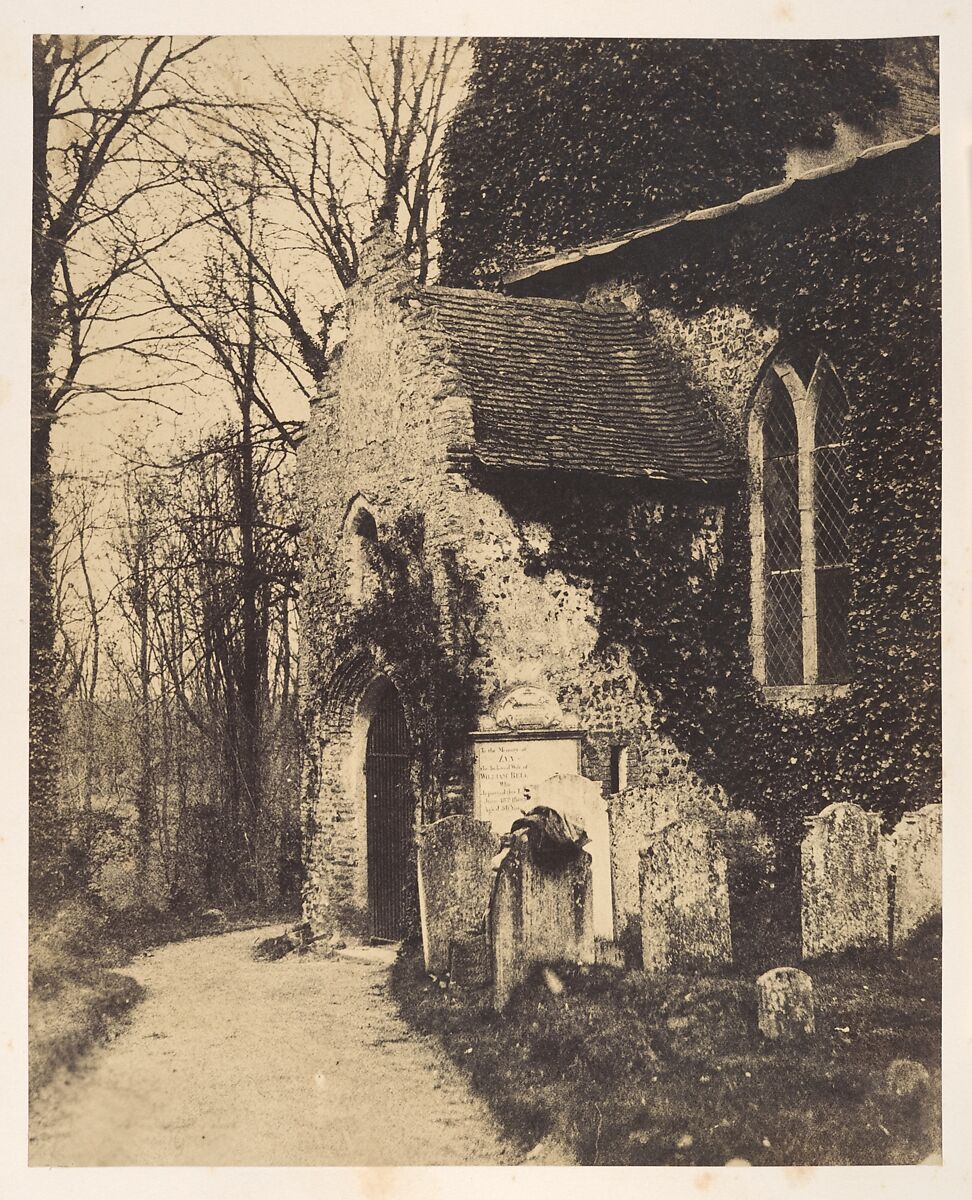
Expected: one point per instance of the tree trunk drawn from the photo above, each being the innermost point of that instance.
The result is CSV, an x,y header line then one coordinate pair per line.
x,y
45,854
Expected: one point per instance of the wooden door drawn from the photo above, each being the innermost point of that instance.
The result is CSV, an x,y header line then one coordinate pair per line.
x,y
391,814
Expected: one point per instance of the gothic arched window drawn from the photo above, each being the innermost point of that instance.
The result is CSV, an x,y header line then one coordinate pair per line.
x,y
799,524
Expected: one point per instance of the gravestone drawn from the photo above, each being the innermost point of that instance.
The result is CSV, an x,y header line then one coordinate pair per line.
x,y
634,814
637,813
469,965
581,801
784,999
454,879
844,881
918,870
684,898
540,912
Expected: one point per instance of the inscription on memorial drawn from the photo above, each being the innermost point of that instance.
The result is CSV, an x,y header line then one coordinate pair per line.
x,y
507,767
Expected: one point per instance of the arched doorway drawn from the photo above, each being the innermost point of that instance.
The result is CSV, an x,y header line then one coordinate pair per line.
x,y
390,814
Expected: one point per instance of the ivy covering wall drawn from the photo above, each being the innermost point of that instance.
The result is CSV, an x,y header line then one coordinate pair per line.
x,y
853,270
563,140
427,652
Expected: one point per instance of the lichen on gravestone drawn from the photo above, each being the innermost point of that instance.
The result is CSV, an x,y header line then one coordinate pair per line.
x,y
684,899
918,871
541,912
844,874
454,876
784,999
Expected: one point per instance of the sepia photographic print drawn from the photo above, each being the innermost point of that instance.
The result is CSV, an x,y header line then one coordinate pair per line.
x,y
485,602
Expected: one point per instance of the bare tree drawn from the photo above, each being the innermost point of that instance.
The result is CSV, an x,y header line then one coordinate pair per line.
x,y
100,107
275,217
206,580
79,604
327,177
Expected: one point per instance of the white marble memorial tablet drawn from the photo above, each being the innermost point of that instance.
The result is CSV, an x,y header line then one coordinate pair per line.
x,y
507,765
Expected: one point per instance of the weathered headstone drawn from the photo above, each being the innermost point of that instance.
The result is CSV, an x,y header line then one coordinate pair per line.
x,y
634,815
454,879
581,801
784,998
540,912
469,965
844,881
684,898
918,870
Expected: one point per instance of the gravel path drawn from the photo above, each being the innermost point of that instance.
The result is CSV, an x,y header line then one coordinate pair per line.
x,y
300,1062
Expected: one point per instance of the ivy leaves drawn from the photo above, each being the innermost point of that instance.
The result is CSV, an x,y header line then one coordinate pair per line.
x,y
564,140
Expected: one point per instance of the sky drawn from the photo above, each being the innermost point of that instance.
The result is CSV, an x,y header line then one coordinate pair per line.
x,y
240,68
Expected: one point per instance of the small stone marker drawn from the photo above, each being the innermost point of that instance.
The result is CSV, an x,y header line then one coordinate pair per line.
x,y
918,870
684,898
582,803
540,912
454,879
907,1078
785,1002
844,881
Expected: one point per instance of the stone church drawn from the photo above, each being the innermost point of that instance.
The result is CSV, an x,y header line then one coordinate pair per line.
x,y
488,475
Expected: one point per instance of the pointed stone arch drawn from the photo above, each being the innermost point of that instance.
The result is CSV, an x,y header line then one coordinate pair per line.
x,y
798,497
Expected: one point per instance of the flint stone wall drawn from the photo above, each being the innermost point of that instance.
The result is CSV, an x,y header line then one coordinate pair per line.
x,y
539,913
844,881
454,879
393,429
684,899
918,870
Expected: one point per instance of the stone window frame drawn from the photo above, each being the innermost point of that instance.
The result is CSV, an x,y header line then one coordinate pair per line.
x,y
804,400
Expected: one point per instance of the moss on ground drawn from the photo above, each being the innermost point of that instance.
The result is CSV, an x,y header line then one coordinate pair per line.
x,y
631,1070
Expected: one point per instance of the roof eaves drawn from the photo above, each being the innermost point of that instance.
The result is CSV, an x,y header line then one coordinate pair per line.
x,y
564,258
495,461
482,295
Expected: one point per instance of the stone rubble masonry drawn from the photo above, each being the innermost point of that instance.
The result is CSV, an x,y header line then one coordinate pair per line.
x,y
392,431
844,881
581,801
721,352
918,871
684,899
539,912
454,880
784,1000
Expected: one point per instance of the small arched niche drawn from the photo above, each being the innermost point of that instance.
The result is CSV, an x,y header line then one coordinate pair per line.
x,y
360,546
